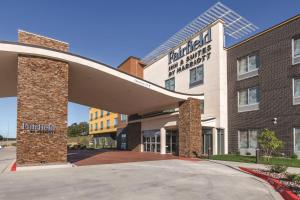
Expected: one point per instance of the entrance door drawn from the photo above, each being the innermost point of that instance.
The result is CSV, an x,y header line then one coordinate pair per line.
x,y
297,141
151,141
171,141
207,140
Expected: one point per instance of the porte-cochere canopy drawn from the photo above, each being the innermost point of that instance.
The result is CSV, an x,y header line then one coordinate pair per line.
x,y
91,83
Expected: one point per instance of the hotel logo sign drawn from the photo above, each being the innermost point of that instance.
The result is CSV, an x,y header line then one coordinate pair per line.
x,y
194,52
38,128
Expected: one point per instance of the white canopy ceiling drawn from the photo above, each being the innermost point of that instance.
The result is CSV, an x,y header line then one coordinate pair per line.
x,y
91,83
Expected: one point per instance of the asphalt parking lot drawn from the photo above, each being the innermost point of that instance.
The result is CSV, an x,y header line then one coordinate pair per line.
x,y
7,156
147,180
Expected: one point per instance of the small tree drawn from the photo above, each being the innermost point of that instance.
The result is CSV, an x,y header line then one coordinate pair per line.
x,y
1,138
269,143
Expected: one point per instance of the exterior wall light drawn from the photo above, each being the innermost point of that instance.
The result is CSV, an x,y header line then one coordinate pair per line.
x,y
274,120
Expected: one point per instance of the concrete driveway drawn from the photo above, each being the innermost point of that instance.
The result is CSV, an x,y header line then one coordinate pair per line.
x,y
150,180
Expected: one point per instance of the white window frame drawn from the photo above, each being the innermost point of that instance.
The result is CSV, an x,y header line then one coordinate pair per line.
x,y
197,82
248,74
294,134
123,118
293,52
115,121
168,82
108,123
248,107
296,99
249,149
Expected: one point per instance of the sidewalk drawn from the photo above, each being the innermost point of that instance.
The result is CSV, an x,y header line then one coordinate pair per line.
x,y
252,165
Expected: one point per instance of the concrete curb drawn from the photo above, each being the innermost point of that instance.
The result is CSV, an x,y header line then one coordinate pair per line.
x,y
42,167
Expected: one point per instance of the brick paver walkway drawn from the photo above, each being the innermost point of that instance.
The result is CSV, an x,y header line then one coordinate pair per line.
x,y
95,157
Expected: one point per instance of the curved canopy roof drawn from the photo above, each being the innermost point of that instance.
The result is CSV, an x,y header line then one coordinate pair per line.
x,y
91,83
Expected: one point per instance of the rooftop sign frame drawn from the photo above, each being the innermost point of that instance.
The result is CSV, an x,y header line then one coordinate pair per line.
x,y
235,26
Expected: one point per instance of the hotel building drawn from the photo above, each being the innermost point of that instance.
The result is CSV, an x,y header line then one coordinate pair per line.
x,y
190,96
103,127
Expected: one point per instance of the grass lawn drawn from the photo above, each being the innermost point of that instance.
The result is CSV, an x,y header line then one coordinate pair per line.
x,y
251,159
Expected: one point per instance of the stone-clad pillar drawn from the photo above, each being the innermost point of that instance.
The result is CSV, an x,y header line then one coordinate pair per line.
x,y
42,104
134,136
190,130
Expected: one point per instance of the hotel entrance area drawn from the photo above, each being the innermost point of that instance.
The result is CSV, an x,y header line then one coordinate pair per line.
x,y
152,141
166,142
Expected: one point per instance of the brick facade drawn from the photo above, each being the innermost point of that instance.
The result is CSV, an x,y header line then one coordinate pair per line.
x,y
190,131
275,84
42,99
132,66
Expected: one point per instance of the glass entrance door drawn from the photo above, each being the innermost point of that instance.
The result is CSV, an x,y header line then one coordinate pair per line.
x,y
151,141
207,140
171,141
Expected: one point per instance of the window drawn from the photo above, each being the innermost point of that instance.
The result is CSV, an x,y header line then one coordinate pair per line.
x,y
196,76
123,118
116,122
220,140
202,106
96,126
248,139
297,141
91,127
296,51
107,113
101,113
101,125
96,115
248,66
107,124
91,117
296,91
170,84
248,99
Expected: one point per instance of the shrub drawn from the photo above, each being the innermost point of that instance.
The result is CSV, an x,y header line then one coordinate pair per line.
x,y
278,168
294,156
293,177
269,143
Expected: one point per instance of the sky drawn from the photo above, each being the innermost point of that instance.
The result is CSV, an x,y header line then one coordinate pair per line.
x,y
111,30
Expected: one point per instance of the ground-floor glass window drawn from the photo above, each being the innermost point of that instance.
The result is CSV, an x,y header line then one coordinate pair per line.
x,y
297,141
151,140
207,140
248,139
171,141
220,135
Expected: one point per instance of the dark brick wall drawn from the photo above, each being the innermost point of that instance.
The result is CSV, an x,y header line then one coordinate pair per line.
x,y
42,99
274,81
134,131
190,131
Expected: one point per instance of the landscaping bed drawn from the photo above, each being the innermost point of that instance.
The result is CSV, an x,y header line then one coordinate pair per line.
x,y
288,185
284,179
289,162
